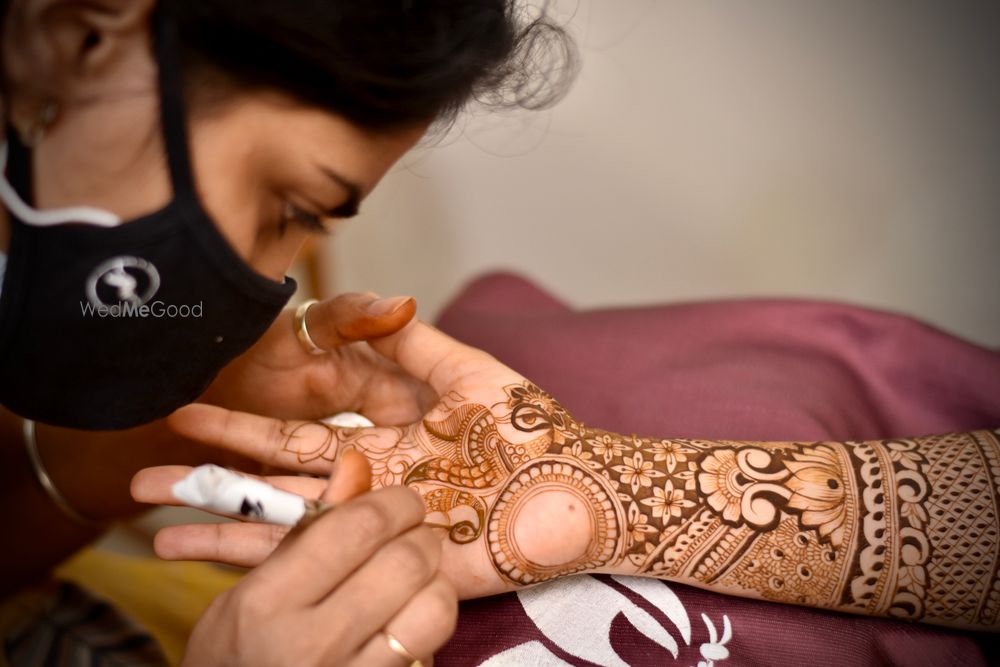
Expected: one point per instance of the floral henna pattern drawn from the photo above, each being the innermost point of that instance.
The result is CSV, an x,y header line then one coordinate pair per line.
x,y
818,492
903,528
884,528
298,435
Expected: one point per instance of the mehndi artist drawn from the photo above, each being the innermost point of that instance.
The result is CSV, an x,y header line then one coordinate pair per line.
x,y
162,165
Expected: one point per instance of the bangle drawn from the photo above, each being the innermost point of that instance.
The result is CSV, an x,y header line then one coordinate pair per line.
x,y
42,475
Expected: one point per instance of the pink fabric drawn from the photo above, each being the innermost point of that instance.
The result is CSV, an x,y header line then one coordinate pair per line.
x,y
758,369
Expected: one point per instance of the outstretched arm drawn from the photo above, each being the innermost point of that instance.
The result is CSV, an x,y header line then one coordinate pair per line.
x,y
904,528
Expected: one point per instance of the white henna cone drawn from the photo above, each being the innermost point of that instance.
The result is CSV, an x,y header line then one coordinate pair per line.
x,y
216,489
348,420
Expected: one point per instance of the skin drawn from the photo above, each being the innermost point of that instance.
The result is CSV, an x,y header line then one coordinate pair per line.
x,y
903,528
253,155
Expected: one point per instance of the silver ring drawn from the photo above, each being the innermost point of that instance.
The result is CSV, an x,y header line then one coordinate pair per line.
x,y
302,331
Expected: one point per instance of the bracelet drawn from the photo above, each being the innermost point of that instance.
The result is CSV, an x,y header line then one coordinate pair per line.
x,y
42,475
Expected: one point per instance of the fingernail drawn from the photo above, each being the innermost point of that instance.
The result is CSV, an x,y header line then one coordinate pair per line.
x,y
388,306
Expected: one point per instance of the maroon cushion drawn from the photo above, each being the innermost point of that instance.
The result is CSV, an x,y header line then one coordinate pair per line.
x,y
753,369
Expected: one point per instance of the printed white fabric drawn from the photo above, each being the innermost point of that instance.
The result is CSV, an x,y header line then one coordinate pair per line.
x,y
593,605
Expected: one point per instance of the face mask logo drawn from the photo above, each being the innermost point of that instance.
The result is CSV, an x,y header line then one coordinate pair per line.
x,y
122,280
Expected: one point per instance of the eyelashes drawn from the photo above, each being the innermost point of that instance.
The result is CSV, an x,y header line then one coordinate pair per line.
x,y
311,221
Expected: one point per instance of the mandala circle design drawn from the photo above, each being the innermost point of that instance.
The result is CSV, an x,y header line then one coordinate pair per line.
x,y
526,483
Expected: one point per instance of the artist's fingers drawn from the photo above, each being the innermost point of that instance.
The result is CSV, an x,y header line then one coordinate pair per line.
x,y
239,544
428,354
352,477
352,317
154,485
306,569
422,627
372,595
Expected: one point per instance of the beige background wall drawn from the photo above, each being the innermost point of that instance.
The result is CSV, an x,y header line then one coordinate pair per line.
x,y
842,150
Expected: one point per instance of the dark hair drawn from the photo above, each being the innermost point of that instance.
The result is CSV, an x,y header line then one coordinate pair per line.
x,y
379,63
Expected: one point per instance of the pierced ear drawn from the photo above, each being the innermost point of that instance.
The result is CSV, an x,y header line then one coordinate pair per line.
x,y
110,27
61,44
101,32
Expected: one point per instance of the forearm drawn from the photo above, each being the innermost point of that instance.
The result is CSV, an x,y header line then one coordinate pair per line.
x,y
902,528
899,528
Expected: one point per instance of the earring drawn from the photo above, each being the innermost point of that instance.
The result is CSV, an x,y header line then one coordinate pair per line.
x,y
34,134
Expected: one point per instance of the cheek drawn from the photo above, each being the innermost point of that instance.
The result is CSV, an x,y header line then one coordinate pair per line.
x,y
228,175
249,227
237,221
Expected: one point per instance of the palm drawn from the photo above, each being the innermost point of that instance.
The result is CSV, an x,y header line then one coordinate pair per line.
x,y
458,454
451,435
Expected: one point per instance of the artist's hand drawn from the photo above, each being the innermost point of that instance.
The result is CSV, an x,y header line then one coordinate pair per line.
x,y
329,595
277,377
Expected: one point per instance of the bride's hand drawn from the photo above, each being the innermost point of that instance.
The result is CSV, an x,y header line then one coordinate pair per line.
x,y
465,456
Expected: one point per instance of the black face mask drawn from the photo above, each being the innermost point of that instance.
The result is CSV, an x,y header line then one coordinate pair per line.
x,y
111,327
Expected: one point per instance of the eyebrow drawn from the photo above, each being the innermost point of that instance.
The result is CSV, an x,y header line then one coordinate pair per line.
x,y
350,207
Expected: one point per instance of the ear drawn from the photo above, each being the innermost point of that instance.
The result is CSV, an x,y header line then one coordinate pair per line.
x,y
66,49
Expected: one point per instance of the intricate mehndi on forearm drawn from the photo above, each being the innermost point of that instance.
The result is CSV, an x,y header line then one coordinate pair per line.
x,y
906,528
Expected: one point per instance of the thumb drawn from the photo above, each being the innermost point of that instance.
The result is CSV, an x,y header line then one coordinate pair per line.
x,y
352,478
355,317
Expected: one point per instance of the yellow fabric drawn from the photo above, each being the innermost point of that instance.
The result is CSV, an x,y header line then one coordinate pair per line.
x,y
164,597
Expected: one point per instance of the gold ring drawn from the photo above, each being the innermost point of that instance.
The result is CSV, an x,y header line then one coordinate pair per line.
x,y
396,647
302,331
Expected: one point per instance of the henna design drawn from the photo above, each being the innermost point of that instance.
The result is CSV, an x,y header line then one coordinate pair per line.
x,y
889,569
302,432
462,531
472,452
906,528
961,517
790,566
527,483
